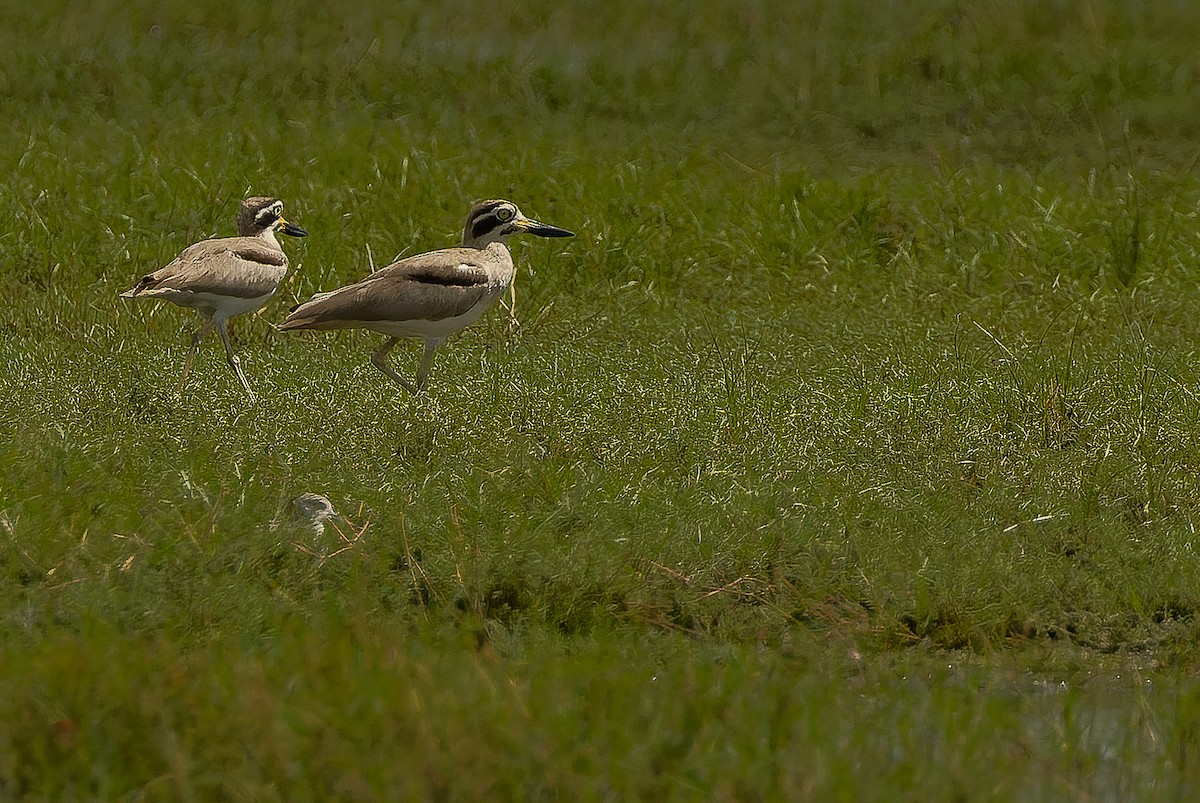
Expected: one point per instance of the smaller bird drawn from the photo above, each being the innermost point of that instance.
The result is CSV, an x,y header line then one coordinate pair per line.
x,y
431,295
226,276
311,511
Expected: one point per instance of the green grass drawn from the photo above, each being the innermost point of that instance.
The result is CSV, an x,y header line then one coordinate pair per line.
x,y
849,452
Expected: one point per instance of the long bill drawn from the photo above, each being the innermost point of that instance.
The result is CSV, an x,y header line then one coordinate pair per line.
x,y
541,229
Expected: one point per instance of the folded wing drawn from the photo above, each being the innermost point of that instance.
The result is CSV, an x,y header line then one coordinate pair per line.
x,y
428,287
240,267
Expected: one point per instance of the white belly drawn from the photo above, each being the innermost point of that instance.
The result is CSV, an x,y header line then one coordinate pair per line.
x,y
213,305
431,330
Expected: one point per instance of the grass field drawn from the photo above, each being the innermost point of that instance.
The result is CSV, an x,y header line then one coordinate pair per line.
x,y
849,452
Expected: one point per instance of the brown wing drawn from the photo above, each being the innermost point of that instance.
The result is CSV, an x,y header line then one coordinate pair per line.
x,y
242,267
427,287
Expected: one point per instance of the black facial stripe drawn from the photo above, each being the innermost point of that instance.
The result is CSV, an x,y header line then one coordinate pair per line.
x,y
482,225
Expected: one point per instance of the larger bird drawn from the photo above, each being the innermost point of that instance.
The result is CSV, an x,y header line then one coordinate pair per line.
x,y
431,295
226,276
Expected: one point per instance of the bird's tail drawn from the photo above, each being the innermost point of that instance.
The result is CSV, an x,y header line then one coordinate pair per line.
x,y
145,283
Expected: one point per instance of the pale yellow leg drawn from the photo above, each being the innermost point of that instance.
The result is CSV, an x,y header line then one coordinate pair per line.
x,y
426,363
379,360
232,359
187,363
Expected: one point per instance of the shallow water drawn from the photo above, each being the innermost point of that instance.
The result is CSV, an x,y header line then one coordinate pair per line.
x,y
1101,736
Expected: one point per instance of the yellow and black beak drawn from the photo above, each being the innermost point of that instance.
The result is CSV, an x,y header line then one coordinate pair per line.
x,y
291,229
540,229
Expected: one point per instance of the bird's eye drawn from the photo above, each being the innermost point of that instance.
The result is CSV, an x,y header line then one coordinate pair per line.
x,y
504,214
